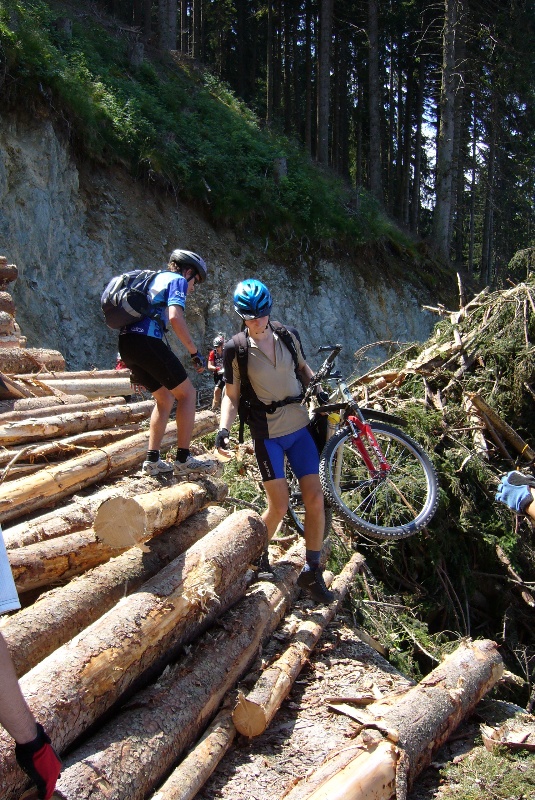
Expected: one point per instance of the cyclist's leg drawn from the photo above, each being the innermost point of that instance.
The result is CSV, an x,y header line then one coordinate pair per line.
x,y
270,458
304,460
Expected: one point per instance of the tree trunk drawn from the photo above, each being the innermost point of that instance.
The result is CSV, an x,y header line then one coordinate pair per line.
x,y
376,182
415,191
53,427
76,516
90,387
7,303
444,170
64,448
416,724
85,374
54,408
60,559
254,713
58,615
30,359
124,522
81,680
189,777
324,68
130,755
54,483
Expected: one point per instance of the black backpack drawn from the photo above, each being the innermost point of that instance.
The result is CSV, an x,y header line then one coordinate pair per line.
x,y
247,393
125,299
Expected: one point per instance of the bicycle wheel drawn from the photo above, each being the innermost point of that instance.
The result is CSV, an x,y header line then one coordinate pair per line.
x,y
385,505
296,509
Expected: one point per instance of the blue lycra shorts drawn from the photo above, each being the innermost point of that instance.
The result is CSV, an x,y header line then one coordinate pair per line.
x,y
299,448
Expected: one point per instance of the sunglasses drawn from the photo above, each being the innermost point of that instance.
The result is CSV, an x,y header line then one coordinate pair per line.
x,y
195,278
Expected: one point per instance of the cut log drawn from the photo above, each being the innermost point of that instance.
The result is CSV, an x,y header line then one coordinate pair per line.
x,y
12,340
8,272
403,733
502,427
58,560
7,303
48,406
84,678
90,387
53,427
7,323
86,374
9,389
54,483
66,447
193,772
126,521
135,750
31,359
76,516
254,713
58,615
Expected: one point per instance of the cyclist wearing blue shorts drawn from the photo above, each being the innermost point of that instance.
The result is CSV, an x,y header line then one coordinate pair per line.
x,y
277,421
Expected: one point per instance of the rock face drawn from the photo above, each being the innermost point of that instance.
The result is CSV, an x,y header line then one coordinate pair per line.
x,y
69,227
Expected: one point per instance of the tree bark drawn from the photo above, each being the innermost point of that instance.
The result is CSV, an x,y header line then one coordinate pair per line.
x,y
84,678
58,615
7,303
60,559
53,427
54,483
54,408
86,374
8,272
444,169
76,516
324,68
186,780
31,359
65,448
124,522
502,427
90,387
130,755
400,736
254,713
375,168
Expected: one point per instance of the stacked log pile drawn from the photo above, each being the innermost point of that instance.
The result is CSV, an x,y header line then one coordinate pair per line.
x,y
119,574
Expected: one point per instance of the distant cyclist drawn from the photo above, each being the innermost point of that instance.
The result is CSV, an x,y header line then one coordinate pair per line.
x,y
154,365
275,373
215,366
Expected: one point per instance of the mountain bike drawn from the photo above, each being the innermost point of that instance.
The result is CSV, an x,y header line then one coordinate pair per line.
x,y
376,476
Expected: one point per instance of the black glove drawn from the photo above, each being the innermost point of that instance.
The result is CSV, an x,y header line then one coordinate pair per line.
x,y
222,439
199,362
40,762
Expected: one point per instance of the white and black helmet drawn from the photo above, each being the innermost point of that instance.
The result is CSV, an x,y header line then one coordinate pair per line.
x,y
185,258
219,340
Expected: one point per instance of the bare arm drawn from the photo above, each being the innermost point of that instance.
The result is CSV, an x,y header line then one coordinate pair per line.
x,y
305,373
15,716
177,320
229,405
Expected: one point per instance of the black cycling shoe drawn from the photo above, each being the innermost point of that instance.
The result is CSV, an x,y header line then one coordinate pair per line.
x,y
312,580
264,568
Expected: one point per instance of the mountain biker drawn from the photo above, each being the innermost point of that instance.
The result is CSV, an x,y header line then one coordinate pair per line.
x,y
154,365
215,365
518,492
281,430
33,749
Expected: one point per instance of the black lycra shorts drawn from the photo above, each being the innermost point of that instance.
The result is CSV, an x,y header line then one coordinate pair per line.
x,y
152,363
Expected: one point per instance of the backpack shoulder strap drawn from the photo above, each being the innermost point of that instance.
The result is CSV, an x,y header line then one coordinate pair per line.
x,y
288,340
242,355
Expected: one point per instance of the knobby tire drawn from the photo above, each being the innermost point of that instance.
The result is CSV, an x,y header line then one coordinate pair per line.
x,y
389,507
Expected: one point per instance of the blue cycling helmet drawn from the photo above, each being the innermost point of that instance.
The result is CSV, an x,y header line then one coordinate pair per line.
x,y
252,299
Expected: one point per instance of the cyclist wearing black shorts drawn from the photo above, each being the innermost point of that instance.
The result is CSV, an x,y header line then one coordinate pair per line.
x,y
278,423
153,364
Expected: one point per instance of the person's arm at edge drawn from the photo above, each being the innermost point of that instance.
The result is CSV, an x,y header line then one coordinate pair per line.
x,y
177,320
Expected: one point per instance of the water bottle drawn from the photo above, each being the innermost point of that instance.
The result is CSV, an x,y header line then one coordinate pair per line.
x,y
333,421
